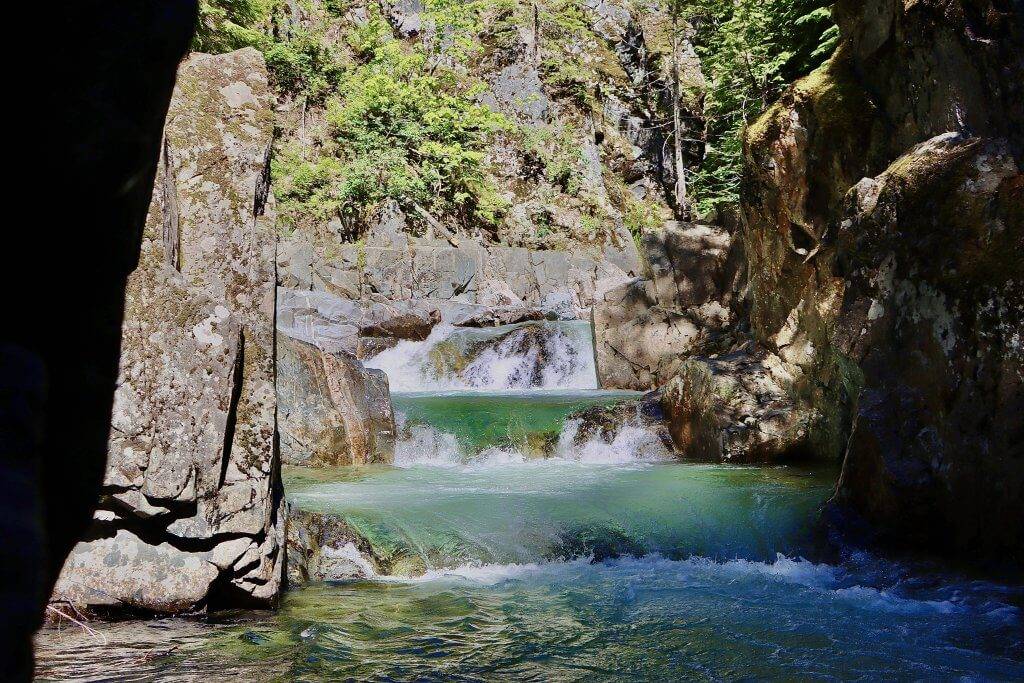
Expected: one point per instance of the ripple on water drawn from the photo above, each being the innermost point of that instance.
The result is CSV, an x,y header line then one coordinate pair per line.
x,y
646,618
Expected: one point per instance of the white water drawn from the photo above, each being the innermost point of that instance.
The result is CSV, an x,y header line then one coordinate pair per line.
x,y
828,583
424,445
492,365
569,364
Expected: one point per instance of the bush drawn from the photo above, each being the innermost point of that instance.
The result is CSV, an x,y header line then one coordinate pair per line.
x,y
398,131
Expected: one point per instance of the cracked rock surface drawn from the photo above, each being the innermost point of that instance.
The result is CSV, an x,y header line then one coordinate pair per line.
x,y
191,512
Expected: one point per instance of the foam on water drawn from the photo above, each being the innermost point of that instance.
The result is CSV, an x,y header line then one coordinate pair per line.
x,y
820,582
425,446
499,358
633,442
634,618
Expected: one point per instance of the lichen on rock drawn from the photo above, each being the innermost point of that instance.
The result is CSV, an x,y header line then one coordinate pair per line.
x,y
191,516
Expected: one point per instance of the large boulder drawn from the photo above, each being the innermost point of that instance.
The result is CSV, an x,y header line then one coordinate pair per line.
x,y
933,251
331,410
645,329
738,408
883,233
190,515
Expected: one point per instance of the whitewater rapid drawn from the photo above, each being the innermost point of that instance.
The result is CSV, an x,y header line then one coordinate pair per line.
x,y
423,445
494,359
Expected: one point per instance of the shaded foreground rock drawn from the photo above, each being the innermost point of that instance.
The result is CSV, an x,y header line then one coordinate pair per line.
x,y
190,515
885,245
935,456
322,547
331,410
738,408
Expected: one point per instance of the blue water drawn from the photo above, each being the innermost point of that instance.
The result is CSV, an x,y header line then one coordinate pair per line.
x,y
523,579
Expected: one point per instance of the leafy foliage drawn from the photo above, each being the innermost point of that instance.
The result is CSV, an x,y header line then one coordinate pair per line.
x,y
303,65
402,119
397,131
226,25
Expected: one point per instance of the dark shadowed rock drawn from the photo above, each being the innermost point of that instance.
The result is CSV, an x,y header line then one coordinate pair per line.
x,y
884,242
935,319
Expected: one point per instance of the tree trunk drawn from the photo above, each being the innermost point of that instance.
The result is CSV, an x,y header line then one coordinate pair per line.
x,y
681,201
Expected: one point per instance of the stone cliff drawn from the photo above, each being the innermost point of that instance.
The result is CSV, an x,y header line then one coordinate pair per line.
x,y
885,243
191,513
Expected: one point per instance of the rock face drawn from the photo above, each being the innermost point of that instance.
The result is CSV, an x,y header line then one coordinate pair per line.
x,y
190,515
935,321
359,328
434,271
331,410
737,408
885,242
645,329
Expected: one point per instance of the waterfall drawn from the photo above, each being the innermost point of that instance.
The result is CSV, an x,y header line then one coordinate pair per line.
x,y
540,355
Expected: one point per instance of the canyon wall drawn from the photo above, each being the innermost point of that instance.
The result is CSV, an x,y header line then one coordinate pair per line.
x,y
885,245
191,513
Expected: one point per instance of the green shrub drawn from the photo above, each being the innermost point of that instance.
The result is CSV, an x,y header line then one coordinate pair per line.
x,y
401,131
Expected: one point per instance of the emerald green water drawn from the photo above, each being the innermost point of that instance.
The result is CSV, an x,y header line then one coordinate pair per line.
x,y
486,420
556,510
558,571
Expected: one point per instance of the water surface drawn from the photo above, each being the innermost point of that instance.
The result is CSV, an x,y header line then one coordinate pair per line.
x,y
529,553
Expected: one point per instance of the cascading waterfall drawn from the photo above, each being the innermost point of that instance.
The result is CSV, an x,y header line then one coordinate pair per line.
x,y
487,429
547,355
501,396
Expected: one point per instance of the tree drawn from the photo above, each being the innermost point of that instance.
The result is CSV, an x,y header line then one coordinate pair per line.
x,y
682,206
749,51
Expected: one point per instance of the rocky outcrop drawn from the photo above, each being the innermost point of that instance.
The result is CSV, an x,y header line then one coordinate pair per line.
x,y
932,252
322,547
645,329
884,241
190,515
738,408
360,328
435,272
608,424
331,410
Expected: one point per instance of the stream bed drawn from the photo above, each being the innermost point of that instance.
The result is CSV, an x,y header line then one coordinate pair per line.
x,y
579,560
